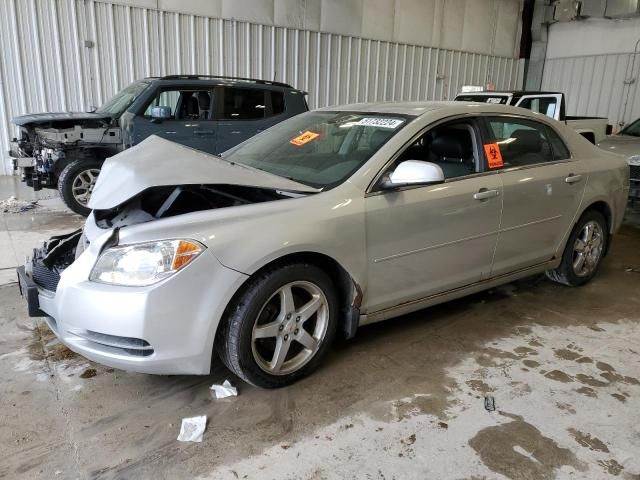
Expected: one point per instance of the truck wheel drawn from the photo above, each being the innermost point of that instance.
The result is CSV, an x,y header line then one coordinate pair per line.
x,y
76,183
281,326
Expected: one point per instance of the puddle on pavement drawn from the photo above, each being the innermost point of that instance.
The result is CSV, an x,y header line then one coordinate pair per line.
x,y
45,346
517,449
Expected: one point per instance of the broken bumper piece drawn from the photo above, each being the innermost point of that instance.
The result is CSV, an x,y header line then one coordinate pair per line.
x,y
165,328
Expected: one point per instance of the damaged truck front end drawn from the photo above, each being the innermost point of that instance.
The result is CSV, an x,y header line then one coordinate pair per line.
x,y
65,151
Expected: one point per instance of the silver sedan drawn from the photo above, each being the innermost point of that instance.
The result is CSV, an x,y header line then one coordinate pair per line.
x,y
627,143
328,221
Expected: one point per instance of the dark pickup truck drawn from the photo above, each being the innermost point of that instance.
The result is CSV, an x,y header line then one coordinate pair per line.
x,y
66,150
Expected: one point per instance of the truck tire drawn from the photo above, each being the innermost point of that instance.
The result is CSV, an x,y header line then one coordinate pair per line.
x,y
76,183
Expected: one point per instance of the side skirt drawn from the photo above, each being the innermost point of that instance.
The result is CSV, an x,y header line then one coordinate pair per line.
x,y
442,297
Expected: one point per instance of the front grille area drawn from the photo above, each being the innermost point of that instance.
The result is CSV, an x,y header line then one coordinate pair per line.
x,y
635,172
128,345
50,261
43,277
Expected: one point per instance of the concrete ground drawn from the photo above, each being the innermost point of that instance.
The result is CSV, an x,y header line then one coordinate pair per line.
x,y
405,399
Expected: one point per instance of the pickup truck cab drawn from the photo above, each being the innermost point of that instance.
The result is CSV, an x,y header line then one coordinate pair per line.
x,y
212,114
551,104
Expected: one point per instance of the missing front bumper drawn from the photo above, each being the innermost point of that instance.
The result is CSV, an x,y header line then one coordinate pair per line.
x,y
29,290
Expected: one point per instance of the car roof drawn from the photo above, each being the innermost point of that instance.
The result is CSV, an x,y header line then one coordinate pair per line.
x,y
511,92
418,109
221,80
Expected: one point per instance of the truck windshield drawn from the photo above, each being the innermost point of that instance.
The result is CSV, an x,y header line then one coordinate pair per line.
x,y
320,149
121,100
632,130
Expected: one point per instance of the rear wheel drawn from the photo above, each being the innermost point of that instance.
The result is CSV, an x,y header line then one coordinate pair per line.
x,y
76,183
583,252
281,326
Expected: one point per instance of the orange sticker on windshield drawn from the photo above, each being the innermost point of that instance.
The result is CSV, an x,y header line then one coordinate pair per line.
x,y
494,157
305,137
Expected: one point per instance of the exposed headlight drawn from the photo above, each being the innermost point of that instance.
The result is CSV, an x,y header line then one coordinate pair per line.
x,y
634,160
144,263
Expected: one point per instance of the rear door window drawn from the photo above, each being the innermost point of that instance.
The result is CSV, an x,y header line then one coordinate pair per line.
x,y
560,150
520,142
243,103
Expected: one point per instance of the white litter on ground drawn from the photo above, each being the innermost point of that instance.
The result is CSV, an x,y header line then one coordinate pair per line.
x,y
13,205
192,429
225,390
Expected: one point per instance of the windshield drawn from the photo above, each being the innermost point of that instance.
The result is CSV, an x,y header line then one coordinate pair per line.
x,y
320,149
633,129
121,100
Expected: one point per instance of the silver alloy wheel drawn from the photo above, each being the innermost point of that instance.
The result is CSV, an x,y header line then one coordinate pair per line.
x,y
82,186
587,249
290,328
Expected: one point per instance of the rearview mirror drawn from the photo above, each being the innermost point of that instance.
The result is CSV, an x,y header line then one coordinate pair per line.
x,y
414,172
160,113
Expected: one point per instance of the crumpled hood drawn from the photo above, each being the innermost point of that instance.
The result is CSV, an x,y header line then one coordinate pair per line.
x,y
157,162
41,118
621,144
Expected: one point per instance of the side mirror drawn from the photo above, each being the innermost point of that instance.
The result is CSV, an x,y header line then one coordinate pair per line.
x,y
414,172
158,114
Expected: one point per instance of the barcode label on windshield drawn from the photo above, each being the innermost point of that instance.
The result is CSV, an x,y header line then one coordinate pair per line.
x,y
378,122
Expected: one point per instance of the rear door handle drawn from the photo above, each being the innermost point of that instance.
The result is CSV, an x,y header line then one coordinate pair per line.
x,y
573,178
484,194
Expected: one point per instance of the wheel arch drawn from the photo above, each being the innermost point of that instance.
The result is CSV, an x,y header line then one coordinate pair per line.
x,y
604,208
348,290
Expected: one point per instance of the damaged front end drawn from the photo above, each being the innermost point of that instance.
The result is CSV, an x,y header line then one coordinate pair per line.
x,y
43,270
49,261
47,142
167,201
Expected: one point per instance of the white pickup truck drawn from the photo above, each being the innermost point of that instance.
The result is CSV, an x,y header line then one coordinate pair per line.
x,y
551,104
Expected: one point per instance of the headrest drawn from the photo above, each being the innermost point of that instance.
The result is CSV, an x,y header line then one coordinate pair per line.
x,y
204,100
452,144
526,141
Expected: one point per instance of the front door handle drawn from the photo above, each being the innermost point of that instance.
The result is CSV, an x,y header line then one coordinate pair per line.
x,y
573,178
484,194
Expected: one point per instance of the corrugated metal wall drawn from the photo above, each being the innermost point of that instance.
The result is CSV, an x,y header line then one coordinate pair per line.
x,y
592,61
45,64
597,85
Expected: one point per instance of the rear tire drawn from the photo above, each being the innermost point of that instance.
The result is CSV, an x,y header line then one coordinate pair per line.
x,y
76,182
583,252
281,326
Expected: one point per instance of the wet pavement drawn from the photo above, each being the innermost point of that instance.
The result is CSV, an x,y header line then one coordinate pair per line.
x,y
405,399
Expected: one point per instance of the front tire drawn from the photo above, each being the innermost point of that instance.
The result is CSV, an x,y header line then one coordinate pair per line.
x,y
76,183
281,326
583,252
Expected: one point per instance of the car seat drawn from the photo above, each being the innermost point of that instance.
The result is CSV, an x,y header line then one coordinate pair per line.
x,y
204,105
453,151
